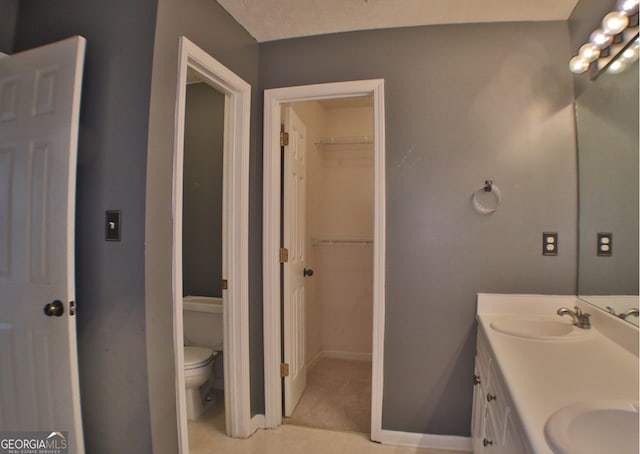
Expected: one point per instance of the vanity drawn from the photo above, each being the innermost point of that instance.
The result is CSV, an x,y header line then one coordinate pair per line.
x,y
543,385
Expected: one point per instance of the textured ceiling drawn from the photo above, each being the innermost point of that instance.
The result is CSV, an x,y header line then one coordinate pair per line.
x,y
268,20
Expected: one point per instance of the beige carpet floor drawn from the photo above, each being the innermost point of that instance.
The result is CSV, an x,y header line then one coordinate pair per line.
x,y
338,396
207,436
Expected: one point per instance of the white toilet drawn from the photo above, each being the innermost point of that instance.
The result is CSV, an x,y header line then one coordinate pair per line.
x,y
202,364
198,368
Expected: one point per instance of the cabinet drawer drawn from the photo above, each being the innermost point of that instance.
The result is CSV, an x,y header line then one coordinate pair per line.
x,y
478,413
496,396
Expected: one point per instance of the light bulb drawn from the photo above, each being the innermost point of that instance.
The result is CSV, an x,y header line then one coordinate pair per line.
x,y
614,22
589,51
578,65
617,67
628,7
601,39
630,54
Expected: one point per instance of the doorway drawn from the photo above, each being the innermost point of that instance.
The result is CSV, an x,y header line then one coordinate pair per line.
x,y
275,99
333,389
231,258
202,244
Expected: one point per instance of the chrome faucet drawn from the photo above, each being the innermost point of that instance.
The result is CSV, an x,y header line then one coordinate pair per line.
x,y
633,311
580,319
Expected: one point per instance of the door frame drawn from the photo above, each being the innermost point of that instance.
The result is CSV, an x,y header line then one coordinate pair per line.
x,y
273,101
235,216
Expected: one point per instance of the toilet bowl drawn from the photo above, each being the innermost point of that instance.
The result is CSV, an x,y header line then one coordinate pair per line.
x,y
217,379
198,367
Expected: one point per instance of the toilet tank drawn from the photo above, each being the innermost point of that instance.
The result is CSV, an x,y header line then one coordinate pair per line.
x,y
202,319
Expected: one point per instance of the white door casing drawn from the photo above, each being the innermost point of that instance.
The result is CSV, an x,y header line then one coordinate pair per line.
x,y
235,232
39,113
274,99
294,304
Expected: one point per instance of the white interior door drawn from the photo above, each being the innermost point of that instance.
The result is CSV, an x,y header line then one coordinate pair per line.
x,y
294,240
39,110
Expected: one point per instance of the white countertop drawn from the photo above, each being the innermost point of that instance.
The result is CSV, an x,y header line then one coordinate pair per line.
x,y
543,376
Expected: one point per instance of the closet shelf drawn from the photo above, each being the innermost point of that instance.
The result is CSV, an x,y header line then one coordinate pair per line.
x,y
343,140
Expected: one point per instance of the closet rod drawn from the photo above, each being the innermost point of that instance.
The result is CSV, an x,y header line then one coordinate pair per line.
x,y
344,140
335,242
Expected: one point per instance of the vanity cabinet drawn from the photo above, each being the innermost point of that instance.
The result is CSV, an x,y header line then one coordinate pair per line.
x,y
495,427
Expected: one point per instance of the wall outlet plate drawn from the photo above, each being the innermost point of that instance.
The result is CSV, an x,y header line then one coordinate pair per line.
x,y
605,244
549,243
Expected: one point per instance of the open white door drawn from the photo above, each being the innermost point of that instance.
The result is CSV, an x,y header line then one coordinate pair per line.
x,y
294,241
39,110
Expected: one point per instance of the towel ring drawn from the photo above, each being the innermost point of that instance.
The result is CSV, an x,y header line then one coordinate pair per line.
x,y
487,187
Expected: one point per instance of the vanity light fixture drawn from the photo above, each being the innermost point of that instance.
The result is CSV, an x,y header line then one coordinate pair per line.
x,y
626,57
616,67
589,52
629,7
614,30
614,22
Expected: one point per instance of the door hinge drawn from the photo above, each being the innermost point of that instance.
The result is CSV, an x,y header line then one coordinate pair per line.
x,y
284,370
225,284
284,255
284,139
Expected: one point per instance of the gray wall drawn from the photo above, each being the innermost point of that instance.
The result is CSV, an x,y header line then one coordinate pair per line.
x,y
202,198
209,26
8,16
464,103
111,175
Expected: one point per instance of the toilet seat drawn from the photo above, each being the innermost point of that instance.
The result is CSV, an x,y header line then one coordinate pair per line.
x,y
197,357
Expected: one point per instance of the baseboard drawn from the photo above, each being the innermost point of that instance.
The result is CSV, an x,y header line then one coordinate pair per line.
x,y
416,440
257,422
313,362
356,356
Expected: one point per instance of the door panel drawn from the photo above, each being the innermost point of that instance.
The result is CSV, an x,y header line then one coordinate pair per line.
x,y
294,241
6,157
38,172
8,389
39,111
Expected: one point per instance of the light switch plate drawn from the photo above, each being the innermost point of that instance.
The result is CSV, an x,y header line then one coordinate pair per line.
x,y
112,225
549,243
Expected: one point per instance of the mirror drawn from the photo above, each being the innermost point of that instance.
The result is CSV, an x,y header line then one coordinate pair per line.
x,y
607,140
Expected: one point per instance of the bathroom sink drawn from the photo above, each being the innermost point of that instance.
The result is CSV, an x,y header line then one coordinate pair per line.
x,y
537,327
594,428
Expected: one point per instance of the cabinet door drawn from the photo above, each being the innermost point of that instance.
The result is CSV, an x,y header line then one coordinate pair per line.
x,y
513,440
479,410
489,443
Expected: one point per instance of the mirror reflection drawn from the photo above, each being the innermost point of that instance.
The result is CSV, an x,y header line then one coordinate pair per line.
x,y
607,139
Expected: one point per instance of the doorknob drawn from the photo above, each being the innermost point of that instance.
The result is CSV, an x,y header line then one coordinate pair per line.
x,y
54,309
307,272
